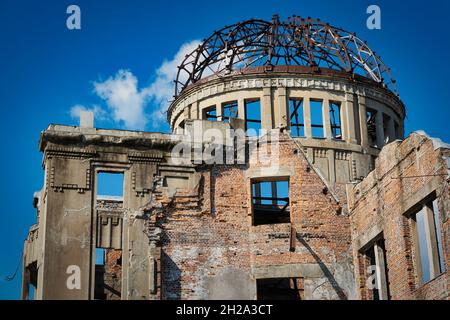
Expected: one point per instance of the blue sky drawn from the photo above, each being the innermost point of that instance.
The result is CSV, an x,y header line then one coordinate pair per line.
x,y
47,69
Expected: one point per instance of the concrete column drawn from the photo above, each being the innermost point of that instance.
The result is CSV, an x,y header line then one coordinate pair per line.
x,y
431,240
137,256
266,109
187,112
195,111
380,129
331,165
273,186
381,272
66,228
219,112
241,109
349,116
282,110
307,117
326,118
363,121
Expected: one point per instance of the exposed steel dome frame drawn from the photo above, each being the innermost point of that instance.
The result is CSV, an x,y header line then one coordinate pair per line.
x,y
297,41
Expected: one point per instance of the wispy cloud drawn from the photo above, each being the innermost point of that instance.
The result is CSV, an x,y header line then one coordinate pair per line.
x,y
161,90
132,106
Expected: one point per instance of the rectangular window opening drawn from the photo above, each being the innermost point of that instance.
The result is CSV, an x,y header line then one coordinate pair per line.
x,y
229,110
335,120
372,127
397,130
386,121
210,113
107,281
252,117
430,257
109,185
377,270
270,201
316,119
280,289
296,117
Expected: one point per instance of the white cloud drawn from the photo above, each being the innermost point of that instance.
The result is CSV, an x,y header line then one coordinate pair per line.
x,y
128,102
123,97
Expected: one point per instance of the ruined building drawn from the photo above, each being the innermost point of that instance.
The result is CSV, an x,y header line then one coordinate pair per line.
x,y
327,201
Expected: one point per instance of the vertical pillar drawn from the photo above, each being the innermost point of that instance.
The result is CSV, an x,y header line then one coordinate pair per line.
x,y
241,108
380,129
363,121
274,192
326,118
282,111
350,119
219,112
331,165
266,109
307,117
381,272
195,111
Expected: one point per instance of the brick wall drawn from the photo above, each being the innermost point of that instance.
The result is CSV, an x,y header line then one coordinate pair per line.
x,y
206,238
406,173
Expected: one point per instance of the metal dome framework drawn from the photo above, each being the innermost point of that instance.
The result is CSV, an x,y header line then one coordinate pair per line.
x,y
297,41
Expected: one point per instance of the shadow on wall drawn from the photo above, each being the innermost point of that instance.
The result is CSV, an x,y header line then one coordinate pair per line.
x,y
171,278
341,294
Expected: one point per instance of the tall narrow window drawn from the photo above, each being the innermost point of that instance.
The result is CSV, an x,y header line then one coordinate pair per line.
x,y
229,110
270,200
210,113
253,117
376,270
372,127
335,120
397,130
296,117
387,134
428,242
109,202
316,119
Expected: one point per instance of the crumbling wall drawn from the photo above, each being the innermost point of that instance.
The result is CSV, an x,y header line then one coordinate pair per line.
x,y
406,173
211,250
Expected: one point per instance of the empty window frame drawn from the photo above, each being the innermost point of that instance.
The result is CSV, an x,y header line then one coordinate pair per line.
x,y
397,130
428,242
376,269
386,132
371,116
229,110
296,117
252,117
270,201
335,120
316,119
210,113
99,287
109,184
280,289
